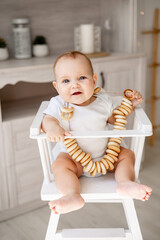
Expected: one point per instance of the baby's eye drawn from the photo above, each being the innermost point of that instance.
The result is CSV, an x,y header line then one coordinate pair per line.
x,y
82,77
65,81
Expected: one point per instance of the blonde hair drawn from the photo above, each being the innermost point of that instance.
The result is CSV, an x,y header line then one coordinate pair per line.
x,y
73,54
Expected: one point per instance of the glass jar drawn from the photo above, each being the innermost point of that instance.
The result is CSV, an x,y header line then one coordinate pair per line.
x,y
22,39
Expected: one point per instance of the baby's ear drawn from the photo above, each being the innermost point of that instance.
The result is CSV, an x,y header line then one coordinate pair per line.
x,y
95,79
54,84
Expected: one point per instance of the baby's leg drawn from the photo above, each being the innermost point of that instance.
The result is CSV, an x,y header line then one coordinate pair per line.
x,y
124,175
66,172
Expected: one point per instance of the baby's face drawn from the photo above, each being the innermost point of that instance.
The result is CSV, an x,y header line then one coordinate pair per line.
x,y
75,81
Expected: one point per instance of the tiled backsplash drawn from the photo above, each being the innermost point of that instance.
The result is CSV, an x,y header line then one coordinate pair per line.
x,y
56,19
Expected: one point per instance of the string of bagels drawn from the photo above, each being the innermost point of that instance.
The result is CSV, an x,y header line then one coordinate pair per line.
x,y
113,147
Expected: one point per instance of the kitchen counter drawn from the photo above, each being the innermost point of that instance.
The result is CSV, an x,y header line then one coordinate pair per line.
x,y
13,70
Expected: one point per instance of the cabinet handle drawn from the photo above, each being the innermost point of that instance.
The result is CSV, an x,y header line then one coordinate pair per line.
x,y
103,79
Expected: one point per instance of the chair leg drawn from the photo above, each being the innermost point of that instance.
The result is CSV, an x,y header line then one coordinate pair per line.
x,y
52,226
132,219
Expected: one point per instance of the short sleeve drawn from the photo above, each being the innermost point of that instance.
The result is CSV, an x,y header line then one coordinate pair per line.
x,y
114,103
111,102
53,108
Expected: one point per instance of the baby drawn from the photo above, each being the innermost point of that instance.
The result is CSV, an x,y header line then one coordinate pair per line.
x,y
75,82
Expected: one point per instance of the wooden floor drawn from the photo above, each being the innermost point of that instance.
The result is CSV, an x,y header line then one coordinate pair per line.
x,y
33,225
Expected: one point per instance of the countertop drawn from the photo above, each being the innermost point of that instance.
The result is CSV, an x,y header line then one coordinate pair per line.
x,y
13,70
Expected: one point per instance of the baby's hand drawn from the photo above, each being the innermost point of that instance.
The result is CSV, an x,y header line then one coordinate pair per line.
x,y
136,98
57,135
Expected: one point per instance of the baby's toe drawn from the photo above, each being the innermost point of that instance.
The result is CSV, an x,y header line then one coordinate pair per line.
x,y
145,193
148,189
142,193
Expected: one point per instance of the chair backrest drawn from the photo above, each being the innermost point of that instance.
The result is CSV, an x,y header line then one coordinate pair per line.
x,y
140,128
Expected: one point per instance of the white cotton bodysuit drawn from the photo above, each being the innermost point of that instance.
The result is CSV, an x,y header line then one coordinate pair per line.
x,y
85,118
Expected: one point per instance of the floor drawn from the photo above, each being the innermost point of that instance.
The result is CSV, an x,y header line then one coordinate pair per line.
x,y
34,224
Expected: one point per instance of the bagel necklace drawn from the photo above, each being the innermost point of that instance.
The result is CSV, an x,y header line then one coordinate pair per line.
x,y
113,147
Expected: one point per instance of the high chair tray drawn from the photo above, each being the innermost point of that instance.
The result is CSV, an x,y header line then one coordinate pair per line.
x,y
144,127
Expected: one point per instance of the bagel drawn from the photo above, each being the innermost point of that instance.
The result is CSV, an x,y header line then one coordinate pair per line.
x,y
74,150
88,166
116,111
105,163
113,143
119,124
88,155
111,166
126,108
112,152
96,90
109,158
76,154
68,140
67,110
119,128
92,168
93,174
85,162
121,121
113,157
71,143
69,115
127,104
98,166
119,117
114,148
103,169
69,149
123,110
117,140
80,156
125,93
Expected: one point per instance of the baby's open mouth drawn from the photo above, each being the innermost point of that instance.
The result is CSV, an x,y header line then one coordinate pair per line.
x,y
76,93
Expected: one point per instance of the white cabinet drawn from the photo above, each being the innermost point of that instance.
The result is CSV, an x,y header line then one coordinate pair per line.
x,y
24,173
20,167
115,75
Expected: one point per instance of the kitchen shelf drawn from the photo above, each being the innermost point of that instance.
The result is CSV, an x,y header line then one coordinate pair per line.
x,y
20,109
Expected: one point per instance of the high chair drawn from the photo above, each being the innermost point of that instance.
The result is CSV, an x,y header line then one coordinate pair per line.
x,y
93,190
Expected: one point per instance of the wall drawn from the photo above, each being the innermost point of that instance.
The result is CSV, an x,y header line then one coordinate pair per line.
x,y
53,19
56,20
145,44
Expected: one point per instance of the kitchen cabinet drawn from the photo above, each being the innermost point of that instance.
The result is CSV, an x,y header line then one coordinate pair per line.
x,y
119,74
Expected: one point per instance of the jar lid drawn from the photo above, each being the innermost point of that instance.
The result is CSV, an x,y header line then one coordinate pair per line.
x,y
20,21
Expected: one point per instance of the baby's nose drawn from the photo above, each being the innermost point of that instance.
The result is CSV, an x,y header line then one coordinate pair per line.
x,y
74,83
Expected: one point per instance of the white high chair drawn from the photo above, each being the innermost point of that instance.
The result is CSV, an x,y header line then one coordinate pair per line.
x,y
98,189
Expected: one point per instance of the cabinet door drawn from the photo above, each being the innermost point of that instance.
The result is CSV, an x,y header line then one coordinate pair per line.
x,y
121,74
98,71
23,165
4,200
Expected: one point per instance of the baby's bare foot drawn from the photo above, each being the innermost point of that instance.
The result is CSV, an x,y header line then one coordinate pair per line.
x,y
134,190
67,203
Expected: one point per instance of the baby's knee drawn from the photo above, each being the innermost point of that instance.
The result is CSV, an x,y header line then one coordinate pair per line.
x,y
64,164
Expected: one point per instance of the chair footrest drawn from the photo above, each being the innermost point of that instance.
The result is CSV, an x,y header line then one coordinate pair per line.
x,y
93,233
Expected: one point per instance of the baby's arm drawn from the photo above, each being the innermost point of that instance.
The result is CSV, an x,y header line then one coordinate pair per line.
x,y
136,100
51,126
